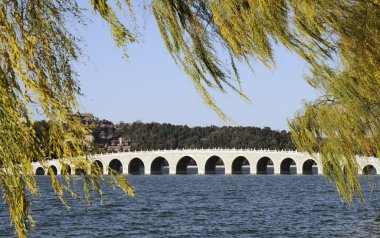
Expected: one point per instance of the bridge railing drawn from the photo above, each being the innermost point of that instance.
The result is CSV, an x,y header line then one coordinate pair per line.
x,y
202,149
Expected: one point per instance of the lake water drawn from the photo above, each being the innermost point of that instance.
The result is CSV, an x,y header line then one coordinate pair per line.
x,y
207,206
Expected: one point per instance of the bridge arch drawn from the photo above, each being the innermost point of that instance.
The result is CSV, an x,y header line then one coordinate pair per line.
x,y
52,170
183,165
369,170
97,167
79,171
115,167
237,165
66,169
211,163
158,164
40,171
285,167
262,166
307,167
136,166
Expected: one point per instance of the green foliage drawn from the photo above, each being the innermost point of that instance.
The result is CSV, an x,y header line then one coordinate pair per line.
x,y
155,136
338,39
198,33
36,77
344,122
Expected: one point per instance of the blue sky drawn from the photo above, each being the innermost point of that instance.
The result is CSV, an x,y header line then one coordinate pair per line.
x,y
150,87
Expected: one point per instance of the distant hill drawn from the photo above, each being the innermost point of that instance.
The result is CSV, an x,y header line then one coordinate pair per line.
x,y
108,136
153,136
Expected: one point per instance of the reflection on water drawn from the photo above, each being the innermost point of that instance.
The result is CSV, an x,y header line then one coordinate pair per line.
x,y
207,206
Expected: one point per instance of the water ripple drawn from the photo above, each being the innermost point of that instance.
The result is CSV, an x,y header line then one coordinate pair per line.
x,y
207,206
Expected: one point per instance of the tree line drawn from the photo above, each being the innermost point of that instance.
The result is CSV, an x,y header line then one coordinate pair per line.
x,y
155,136
158,136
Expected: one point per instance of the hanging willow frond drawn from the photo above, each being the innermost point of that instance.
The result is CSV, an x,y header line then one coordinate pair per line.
x,y
340,41
36,56
346,121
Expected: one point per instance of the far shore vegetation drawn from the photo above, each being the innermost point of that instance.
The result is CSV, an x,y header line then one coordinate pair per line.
x,y
105,136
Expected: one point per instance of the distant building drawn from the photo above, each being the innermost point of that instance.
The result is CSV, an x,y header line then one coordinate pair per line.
x,y
89,138
87,119
119,145
102,134
106,131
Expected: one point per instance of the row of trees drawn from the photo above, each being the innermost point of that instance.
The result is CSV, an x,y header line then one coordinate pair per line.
x,y
153,136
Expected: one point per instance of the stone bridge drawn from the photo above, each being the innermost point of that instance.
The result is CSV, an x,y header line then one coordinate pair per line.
x,y
208,161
